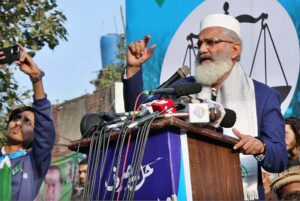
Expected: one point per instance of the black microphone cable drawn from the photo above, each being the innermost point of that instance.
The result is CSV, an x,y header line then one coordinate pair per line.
x,y
138,155
128,143
141,151
99,147
102,155
122,133
134,159
122,136
94,146
77,151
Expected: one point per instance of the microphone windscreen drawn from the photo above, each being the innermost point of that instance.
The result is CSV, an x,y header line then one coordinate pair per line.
x,y
184,71
107,116
229,119
182,102
187,88
88,124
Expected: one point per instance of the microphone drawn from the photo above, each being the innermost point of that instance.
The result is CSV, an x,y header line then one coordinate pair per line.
x,y
218,116
163,106
127,114
182,72
229,119
143,120
179,89
144,112
226,118
227,122
214,94
89,123
180,115
122,120
181,102
116,125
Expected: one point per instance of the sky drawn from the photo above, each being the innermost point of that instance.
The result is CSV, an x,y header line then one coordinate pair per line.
x,y
71,66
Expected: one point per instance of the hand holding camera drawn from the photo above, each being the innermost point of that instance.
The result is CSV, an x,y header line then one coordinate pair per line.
x,y
9,54
18,55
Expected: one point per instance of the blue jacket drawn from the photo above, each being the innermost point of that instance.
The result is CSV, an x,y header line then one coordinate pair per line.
x,y
269,119
34,165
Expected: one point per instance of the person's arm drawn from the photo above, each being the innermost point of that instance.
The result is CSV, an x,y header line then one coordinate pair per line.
x,y
131,88
29,67
137,55
270,143
273,134
43,142
44,129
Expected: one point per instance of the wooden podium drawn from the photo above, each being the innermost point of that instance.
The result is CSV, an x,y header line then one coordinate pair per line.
x,y
215,170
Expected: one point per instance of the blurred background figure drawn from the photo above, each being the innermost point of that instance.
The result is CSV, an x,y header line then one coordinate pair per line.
x,y
266,179
83,172
69,172
286,185
79,188
292,139
53,184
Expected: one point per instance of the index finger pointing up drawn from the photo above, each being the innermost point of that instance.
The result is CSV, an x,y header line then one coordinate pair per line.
x,y
146,39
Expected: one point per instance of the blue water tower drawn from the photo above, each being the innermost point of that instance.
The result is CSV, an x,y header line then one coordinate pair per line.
x,y
109,49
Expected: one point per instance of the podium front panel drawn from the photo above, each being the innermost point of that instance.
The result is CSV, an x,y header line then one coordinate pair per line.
x,y
197,168
215,170
159,174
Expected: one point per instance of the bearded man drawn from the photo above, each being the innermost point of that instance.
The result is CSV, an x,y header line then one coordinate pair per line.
x,y
259,126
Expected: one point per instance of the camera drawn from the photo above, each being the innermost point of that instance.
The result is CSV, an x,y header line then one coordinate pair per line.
x,y
11,54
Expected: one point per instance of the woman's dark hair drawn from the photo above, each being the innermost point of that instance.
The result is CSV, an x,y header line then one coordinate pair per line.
x,y
295,125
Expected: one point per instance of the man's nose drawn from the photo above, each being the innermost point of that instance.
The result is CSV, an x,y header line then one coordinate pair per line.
x,y
18,122
203,48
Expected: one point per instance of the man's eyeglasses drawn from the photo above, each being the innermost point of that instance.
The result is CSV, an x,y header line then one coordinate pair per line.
x,y
209,42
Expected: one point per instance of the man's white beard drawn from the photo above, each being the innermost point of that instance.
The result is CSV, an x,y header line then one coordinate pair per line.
x,y
208,74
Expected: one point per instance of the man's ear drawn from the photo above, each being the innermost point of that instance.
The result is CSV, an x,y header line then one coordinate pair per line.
x,y
236,51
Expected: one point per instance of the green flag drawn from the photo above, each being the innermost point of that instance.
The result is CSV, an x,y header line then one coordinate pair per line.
x,y
5,181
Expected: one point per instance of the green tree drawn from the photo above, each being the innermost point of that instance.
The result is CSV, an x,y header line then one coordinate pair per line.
x,y
109,75
33,24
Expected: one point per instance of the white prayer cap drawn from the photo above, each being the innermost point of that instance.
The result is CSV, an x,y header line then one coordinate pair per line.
x,y
221,20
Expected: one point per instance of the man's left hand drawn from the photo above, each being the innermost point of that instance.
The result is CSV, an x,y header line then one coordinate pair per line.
x,y
248,144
